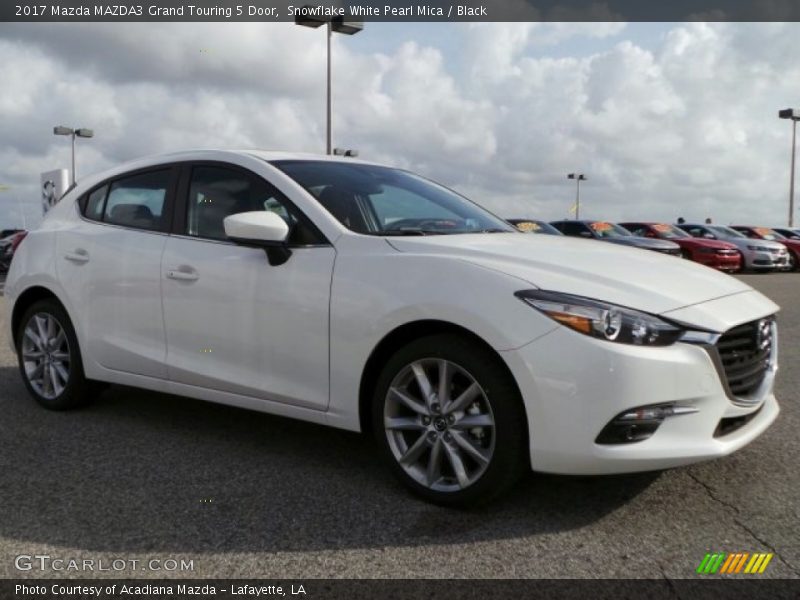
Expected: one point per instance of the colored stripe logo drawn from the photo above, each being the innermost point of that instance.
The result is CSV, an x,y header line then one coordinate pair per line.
x,y
734,563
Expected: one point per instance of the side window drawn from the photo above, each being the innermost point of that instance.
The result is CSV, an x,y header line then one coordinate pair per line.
x,y
573,228
639,230
94,204
696,232
218,192
138,201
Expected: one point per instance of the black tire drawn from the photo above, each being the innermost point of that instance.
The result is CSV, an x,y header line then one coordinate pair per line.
x,y
510,454
77,391
686,254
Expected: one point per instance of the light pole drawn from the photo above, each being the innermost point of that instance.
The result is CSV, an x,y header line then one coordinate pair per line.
x,y
306,18
794,115
578,177
82,132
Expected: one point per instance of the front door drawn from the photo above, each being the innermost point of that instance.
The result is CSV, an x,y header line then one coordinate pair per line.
x,y
235,323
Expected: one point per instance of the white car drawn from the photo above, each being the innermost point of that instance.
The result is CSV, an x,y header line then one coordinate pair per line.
x,y
371,299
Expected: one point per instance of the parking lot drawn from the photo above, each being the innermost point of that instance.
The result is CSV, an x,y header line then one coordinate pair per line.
x,y
141,475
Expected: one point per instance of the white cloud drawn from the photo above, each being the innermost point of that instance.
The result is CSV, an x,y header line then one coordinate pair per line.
x,y
686,125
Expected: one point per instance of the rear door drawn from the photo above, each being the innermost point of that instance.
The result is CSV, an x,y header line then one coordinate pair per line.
x,y
109,261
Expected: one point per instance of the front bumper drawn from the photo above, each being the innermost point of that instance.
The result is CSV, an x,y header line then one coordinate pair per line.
x,y
721,262
573,386
768,260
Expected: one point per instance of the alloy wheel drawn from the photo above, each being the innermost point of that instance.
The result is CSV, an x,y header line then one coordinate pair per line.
x,y
46,355
439,424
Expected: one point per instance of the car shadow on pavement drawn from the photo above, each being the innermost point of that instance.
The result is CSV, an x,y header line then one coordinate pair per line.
x,y
139,471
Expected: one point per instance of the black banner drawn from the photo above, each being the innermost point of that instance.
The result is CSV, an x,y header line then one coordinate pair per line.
x,y
399,589
399,10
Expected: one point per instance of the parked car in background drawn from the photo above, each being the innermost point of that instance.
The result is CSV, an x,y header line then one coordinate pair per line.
x,y
8,246
765,233
716,254
4,233
534,226
609,232
758,255
792,234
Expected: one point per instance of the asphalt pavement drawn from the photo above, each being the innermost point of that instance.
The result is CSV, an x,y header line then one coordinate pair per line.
x,y
142,476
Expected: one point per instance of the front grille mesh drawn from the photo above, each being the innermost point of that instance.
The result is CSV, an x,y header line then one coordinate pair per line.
x,y
746,352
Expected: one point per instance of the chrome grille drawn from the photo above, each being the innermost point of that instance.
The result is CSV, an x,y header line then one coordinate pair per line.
x,y
746,353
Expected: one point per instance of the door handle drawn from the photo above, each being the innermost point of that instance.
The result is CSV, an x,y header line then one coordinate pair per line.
x,y
183,274
79,255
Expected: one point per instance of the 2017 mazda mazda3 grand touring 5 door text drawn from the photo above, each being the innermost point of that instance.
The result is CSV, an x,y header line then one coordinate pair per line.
x,y
371,299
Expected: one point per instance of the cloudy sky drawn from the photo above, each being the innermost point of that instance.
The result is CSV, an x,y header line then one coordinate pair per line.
x,y
664,119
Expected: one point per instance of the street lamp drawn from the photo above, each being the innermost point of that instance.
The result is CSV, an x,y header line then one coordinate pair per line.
x,y
578,177
794,115
82,132
305,17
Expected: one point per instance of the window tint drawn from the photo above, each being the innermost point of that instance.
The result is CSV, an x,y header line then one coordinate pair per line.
x,y
217,192
636,229
138,201
382,201
573,228
94,204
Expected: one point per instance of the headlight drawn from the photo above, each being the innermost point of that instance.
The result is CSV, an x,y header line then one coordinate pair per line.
x,y
602,320
758,248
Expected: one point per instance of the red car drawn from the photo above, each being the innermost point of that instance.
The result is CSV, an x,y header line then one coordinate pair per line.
x,y
711,253
765,233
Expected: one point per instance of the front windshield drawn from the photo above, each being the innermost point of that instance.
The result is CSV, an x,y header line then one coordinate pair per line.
x,y
533,226
765,233
669,232
609,230
725,232
383,201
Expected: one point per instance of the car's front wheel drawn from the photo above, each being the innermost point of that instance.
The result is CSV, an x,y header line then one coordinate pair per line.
x,y
49,359
450,420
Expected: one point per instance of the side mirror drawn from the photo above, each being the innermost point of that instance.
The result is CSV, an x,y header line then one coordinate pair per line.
x,y
260,229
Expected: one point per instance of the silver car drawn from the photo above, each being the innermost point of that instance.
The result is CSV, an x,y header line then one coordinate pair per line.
x,y
758,255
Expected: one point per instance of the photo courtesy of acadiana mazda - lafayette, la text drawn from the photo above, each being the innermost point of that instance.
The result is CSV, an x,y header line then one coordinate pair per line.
x,y
372,299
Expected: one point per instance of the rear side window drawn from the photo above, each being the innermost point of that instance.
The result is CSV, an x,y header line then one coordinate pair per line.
x,y
573,228
138,201
95,204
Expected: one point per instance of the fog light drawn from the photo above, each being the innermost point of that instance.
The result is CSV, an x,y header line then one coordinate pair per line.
x,y
638,424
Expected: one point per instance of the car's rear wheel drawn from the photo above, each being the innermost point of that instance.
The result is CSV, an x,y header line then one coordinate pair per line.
x,y
49,358
450,421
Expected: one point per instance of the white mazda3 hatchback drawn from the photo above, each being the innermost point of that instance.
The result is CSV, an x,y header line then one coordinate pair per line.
x,y
372,299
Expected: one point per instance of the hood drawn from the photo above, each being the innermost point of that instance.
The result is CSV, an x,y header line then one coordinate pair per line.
x,y
705,243
647,281
643,242
743,243
793,244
